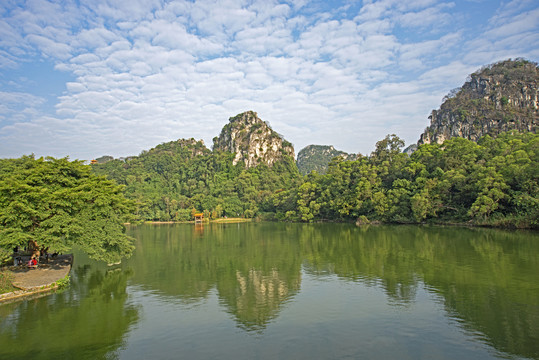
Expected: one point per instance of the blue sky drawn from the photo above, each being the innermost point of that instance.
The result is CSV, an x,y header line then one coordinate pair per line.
x,y
105,77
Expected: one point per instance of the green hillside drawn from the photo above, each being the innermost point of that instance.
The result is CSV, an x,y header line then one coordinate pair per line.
x,y
317,158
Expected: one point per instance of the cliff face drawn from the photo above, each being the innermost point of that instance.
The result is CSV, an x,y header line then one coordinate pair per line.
x,y
500,97
252,140
317,157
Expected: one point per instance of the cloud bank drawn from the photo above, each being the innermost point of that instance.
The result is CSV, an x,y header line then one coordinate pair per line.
x,y
143,72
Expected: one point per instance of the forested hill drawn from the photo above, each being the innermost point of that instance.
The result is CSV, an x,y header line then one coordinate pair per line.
x,y
317,157
493,182
497,98
176,179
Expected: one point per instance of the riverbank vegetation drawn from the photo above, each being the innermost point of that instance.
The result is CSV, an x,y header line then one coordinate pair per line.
x,y
493,182
6,279
51,204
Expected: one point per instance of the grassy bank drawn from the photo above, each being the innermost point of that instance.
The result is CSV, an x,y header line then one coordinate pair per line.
x,y
230,220
6,278
205,221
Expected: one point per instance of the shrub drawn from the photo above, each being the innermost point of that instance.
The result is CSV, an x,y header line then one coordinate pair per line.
x,y
63,283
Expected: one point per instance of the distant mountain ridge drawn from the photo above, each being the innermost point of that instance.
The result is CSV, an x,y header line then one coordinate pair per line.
x,y
497,98
317,157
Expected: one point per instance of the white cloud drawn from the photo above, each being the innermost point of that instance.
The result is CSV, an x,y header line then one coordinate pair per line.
x,y
122,9
145,72
373,10
50,47
418,55
95,38
427,17
512,32
520,23
18,106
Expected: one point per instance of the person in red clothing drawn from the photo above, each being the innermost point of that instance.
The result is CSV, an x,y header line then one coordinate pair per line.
x,y
32,263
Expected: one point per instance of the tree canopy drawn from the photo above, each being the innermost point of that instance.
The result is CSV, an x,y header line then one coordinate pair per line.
x,y
60,203
492,182
174,178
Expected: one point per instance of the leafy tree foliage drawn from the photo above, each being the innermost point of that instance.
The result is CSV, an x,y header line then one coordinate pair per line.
x,y
492,182
57,203
170,180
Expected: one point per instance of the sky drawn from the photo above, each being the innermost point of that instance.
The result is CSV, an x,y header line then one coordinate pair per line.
x,y
88,78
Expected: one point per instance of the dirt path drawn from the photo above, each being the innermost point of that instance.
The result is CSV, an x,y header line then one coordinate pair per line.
x,y
42,279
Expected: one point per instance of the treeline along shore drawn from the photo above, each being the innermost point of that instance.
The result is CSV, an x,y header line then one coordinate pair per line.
x,y
493,182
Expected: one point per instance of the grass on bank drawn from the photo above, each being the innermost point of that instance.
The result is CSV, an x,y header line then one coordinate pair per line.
x,y
6,279
231,220
205,221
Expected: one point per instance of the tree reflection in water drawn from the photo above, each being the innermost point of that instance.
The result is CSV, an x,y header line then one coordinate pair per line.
x,y
486,278
486,281
253,272
88,320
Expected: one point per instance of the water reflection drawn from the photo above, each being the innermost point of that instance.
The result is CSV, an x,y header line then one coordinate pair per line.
x,y
486,279
88,320
253,271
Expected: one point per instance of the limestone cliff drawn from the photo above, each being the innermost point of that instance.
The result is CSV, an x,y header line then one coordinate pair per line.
x,y
252,141
500,97
317,157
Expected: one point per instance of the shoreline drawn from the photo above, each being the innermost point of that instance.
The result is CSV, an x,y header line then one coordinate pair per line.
x,y
374,222
37,282
217,221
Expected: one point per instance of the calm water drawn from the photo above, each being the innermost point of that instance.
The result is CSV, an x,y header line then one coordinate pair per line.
x,y
292,291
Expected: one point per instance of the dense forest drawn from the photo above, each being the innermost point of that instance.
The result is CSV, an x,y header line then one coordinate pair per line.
x,y
492,182
317,158
49,205
177,179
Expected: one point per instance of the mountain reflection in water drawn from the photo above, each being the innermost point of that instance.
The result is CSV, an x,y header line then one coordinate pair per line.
x,y
487,278
277,290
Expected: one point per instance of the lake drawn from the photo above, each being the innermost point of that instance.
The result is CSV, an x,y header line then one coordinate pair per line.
x,y
292,291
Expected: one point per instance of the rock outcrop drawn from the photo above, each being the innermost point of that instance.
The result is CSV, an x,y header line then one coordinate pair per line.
x,y
252,141
317,158
500,97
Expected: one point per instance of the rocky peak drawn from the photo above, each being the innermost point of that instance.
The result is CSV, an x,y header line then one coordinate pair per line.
x,y
252,141
499,97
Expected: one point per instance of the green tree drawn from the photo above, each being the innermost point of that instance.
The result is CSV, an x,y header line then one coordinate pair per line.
x,y
58,204
389,159
308,207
